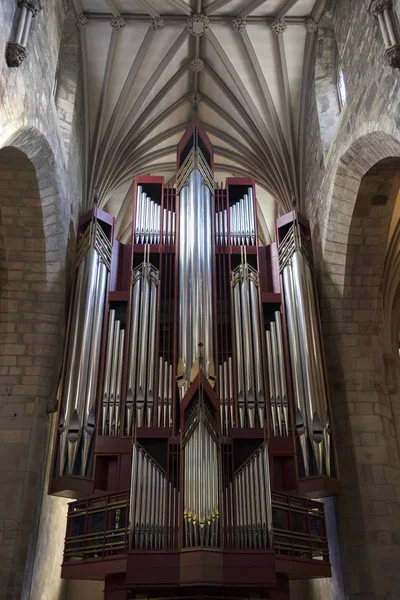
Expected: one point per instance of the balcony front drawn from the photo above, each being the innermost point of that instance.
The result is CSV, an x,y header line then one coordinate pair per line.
x,y
100,543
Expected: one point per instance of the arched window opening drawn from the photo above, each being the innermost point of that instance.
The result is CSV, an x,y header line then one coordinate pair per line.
x,y
341,86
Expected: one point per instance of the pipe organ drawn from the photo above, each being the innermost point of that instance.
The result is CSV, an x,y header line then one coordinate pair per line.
x,y
194,409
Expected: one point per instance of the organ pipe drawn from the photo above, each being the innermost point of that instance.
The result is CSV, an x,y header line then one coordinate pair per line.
x,y
312,419
147,502
142,345
195,283
253,502
77,414
250,386
201,480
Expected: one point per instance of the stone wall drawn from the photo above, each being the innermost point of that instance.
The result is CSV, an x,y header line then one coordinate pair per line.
x,y
349,235
40,195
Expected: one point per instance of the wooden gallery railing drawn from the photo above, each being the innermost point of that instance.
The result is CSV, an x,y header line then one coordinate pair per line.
x,y
98,528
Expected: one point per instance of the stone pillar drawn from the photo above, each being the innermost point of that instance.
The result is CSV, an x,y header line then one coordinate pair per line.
x,y
17,49
382,11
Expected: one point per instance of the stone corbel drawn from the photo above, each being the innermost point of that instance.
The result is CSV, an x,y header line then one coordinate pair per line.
x,y
382,10
16,51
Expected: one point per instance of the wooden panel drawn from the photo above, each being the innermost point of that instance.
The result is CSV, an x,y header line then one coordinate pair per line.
x,y
152,569
201,567
94,569
249,569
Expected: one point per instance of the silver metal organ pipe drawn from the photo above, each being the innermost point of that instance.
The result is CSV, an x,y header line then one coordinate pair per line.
x,y
165,395
152,220
226,227
230,374
152,346
247,347
160,392
319,368
133,347
308,358
143,342
271,383
113,380
281,358
276,375
165,226
252,216
169,227
195,282
119,380
90,409
84,325
256,334
239,349
143,216
106,387
138,213
170,397
300,414
173,227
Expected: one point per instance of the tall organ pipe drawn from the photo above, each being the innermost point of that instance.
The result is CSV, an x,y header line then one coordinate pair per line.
x,y
239,350
253,501
247,350
259,384
77,414
311,357
142,344
113,381
107,375
195,283
281,358
70,426
133,347
94,360
119,380
295,357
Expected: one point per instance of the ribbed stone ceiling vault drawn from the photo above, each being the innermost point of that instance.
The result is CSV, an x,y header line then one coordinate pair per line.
x,y
244,66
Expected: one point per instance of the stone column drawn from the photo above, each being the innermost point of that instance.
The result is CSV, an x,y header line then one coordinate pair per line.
x,y
382,11
17,49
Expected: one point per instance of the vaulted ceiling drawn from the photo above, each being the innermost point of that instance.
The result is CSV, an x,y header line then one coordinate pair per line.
x,y
244,66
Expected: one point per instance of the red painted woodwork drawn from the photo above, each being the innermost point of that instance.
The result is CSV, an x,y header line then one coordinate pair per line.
x,y
177,570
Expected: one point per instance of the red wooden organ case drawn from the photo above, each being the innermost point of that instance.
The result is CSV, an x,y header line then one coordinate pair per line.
x,y
194,477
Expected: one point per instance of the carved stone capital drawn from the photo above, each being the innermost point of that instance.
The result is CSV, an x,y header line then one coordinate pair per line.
x,y
195,99
117,23
197,65
198,24
377,6
15,54
279,26
81,21
239,24
35,6
392,56
158,23
311,25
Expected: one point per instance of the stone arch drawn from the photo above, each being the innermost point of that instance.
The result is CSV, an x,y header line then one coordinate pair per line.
x,y
327,62
362,199
32,316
